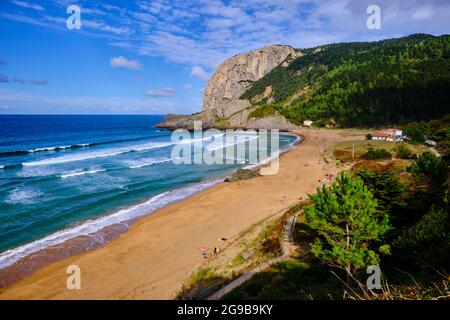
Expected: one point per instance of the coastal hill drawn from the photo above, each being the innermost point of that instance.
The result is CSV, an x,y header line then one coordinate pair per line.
x,y
348,84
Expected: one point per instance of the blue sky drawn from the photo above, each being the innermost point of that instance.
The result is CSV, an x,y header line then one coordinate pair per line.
x,y
154,57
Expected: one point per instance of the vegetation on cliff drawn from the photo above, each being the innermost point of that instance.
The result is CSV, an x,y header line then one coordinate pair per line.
x,y
362,83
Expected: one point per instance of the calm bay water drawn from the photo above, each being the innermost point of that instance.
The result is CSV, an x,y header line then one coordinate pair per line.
x,y
62,176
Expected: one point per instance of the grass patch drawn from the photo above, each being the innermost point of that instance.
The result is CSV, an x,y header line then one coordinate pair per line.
x,y
377,154
262,112
287,280
343,151
201,284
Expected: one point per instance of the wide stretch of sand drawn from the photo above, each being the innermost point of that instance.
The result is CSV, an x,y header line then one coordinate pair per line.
x,y
154,258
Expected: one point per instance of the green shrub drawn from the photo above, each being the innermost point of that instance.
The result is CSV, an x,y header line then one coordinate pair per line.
x,y
386,187
427,242
262,112
348,225
430,168
377,154
403,152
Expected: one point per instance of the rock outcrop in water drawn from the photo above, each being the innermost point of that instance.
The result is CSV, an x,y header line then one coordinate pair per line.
x,y
222,106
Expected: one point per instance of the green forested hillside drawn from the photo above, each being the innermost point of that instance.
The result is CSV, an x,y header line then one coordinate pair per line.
x,y
362,83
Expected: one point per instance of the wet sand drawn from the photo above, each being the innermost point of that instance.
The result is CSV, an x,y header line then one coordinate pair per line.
x,y
154,258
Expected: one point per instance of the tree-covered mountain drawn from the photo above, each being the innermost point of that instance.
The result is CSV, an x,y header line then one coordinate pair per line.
x,y
361,83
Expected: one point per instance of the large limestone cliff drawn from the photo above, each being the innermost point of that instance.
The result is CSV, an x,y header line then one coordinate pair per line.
x,y
222,107
234,76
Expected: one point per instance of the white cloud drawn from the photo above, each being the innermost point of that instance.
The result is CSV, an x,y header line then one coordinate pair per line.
x,y
27,5
157,93
188,86
122,62
199,72
423,13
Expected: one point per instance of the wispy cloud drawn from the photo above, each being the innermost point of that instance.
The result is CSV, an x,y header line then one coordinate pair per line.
x,y
188,86
198,71
157,93
206,32
122,62
27,5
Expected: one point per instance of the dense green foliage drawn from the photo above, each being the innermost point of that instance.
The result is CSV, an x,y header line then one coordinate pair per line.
x,y
366,83
403,152
347,223
427,243
386,187
262,112
430,168
437,130
377,154
420,239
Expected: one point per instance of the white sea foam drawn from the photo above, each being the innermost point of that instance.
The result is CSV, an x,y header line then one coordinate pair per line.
x,y
214,146
23,195
80,173
136,164
274,156
81,145
96,154
109,152
11,256
1,167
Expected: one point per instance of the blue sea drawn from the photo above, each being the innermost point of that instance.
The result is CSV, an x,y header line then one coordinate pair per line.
x,y
64,176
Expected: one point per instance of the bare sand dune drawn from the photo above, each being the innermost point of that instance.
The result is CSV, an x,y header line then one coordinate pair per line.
x,y
158,253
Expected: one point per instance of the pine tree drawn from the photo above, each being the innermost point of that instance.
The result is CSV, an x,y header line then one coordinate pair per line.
x,y
430,168
348,224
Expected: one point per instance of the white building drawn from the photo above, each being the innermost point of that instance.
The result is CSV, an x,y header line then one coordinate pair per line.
x,y
388,135
308,123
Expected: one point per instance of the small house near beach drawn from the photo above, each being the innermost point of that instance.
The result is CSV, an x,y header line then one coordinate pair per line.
x,y
388,135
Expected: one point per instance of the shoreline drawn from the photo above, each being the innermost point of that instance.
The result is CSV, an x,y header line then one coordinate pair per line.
x,y
159,251
85,236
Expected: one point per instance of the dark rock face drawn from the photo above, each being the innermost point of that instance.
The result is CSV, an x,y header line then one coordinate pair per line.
x,y
243,174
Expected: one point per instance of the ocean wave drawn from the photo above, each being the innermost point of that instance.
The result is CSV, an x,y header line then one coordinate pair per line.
x,y
68,147
44,149
147,162
215,147
111,152
80,173
96,154
23,195
11,256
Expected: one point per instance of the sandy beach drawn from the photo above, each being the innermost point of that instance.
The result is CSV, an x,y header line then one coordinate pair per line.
x,y
154,258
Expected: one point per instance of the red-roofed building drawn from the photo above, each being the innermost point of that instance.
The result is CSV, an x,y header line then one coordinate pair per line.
x,y
388,135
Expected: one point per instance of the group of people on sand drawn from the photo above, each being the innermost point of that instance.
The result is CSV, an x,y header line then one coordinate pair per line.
x,y
205,250
328,178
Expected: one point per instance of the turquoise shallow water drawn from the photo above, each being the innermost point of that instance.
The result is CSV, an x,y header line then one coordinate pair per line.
x,y
63,176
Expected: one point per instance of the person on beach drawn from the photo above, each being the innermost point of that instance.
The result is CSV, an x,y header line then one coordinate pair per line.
x,y
204,252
